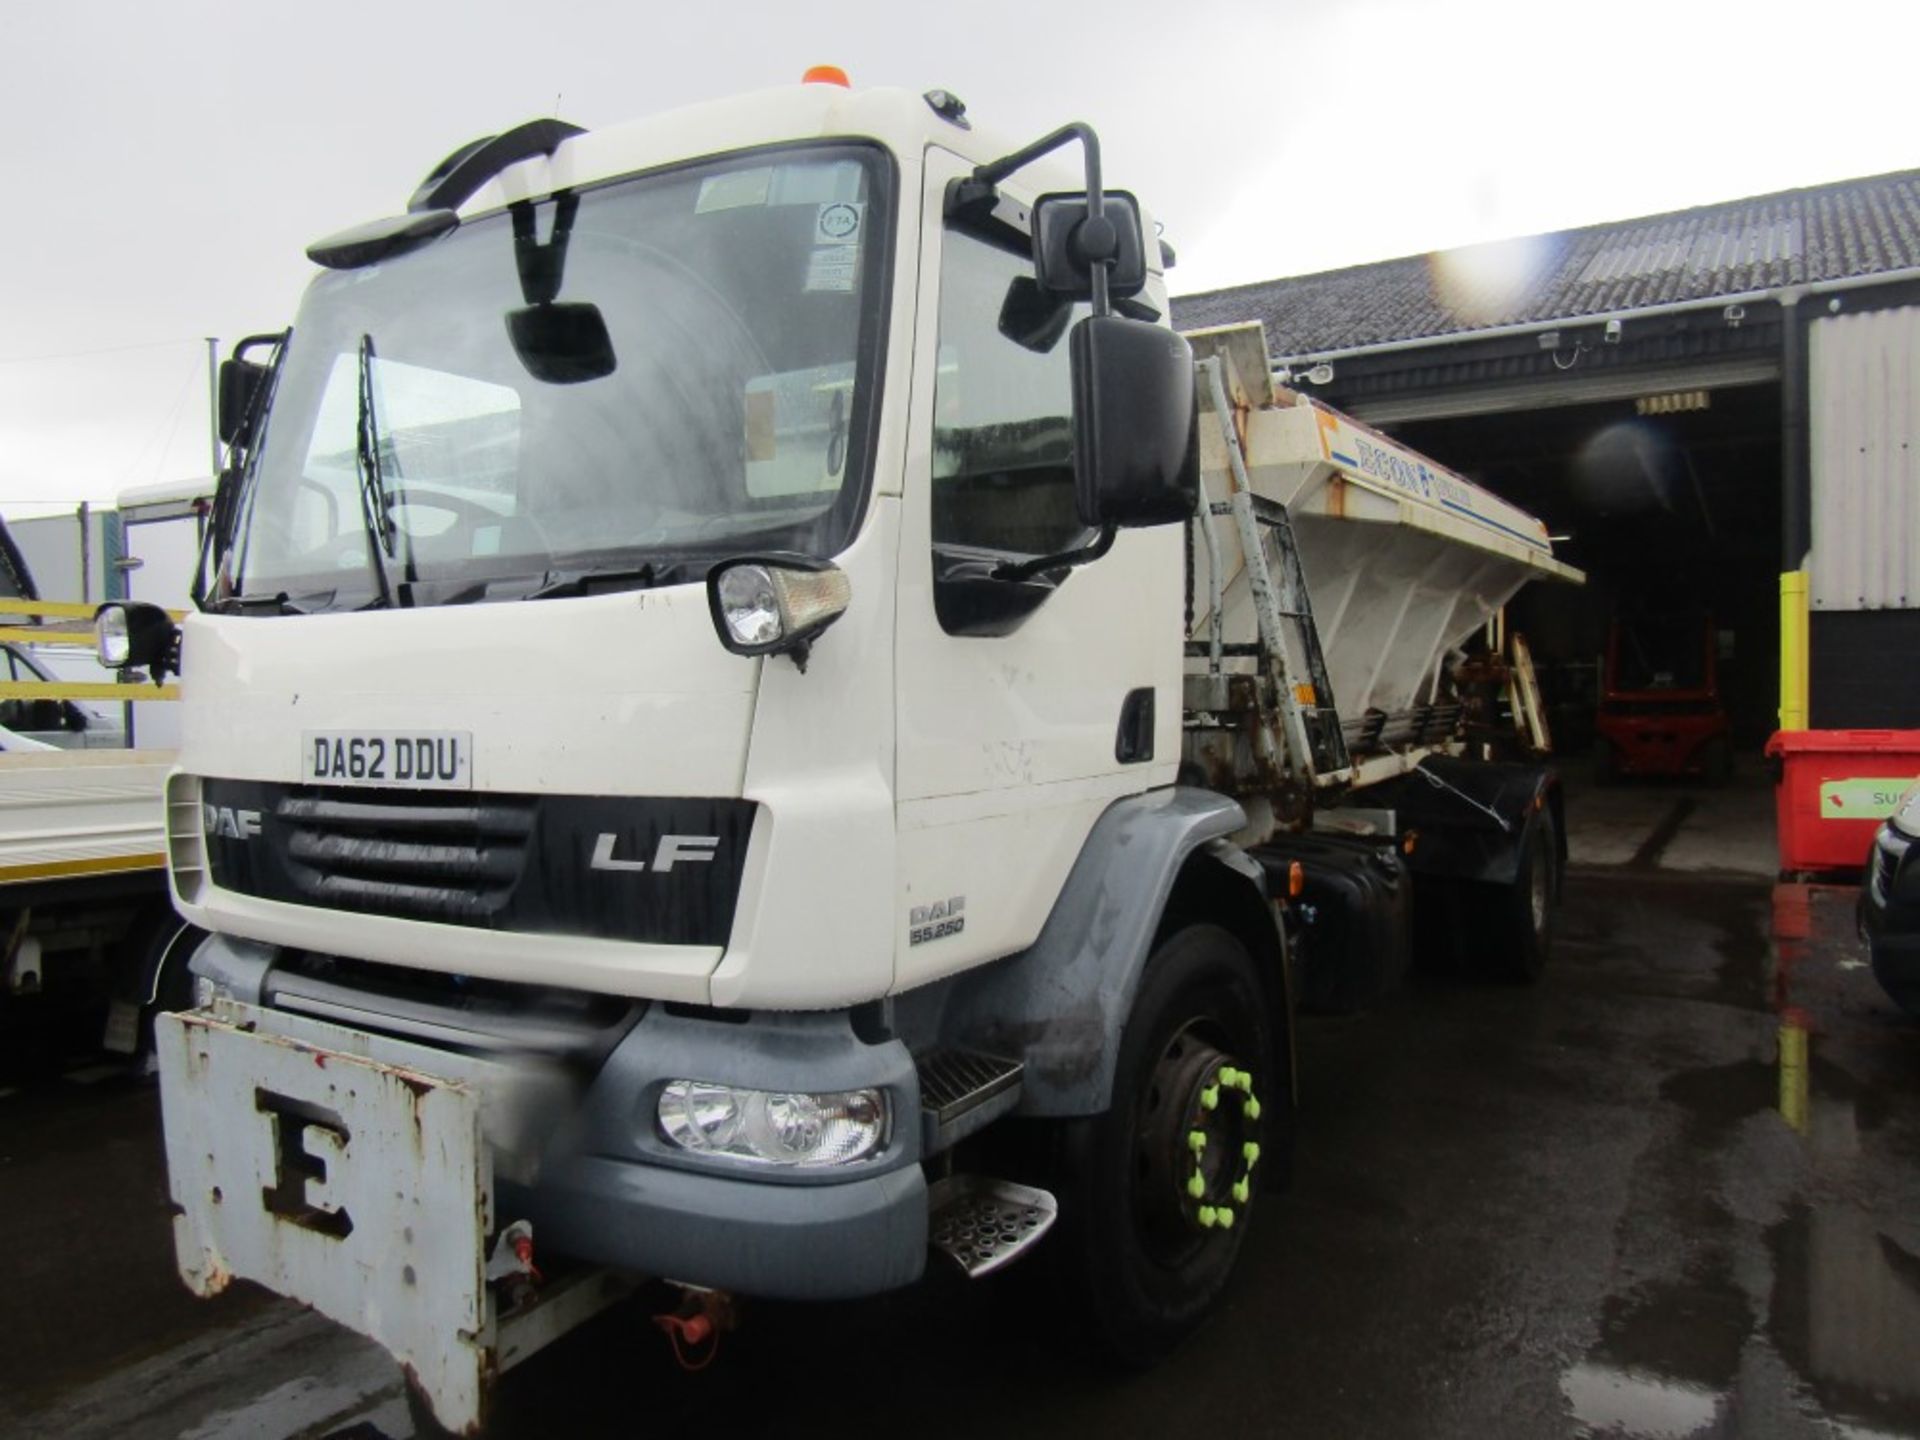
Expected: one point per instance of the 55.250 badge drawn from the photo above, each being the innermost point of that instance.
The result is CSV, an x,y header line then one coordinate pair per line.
x,y
936,921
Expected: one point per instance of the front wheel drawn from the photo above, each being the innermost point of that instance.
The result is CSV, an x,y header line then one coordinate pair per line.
x,y
1158,1190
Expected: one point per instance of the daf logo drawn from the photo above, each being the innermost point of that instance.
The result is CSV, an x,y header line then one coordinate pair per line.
x,y
936,921
230,823
672,850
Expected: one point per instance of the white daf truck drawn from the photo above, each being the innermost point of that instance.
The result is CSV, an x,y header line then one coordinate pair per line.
x,y
739,657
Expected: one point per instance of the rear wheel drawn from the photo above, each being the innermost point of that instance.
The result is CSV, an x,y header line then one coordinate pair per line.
x,y
1158,1190
1520,929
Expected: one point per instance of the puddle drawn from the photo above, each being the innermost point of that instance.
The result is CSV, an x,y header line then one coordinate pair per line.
x,y
1845,1314
1688,1330
1610,1399
1840,1308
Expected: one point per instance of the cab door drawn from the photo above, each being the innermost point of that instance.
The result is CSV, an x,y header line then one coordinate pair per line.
x,y
1011,694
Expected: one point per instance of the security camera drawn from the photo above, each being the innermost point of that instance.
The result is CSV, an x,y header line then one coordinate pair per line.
x,y
1611,334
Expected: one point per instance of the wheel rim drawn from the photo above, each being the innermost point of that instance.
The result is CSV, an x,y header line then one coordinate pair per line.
x,y
1190,1193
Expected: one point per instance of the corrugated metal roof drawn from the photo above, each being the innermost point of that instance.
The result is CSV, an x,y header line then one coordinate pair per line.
x,y
1825,232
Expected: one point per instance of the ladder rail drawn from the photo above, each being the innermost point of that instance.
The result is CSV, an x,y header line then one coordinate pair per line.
x,y
1312,730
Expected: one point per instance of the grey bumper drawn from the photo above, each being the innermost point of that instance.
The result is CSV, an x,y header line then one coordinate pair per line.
x,y
791,1242
615,1192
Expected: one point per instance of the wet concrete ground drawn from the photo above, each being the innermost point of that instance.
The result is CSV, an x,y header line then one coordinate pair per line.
x,y
1674,1190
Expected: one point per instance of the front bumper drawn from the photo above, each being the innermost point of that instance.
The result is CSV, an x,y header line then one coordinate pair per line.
x,y
583,1159
1661,745
623,1196
796,1242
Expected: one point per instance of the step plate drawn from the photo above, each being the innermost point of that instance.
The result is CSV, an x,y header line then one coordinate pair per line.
x,y
983,1225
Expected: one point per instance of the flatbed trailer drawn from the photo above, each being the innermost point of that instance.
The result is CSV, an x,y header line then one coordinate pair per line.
x,y
85,910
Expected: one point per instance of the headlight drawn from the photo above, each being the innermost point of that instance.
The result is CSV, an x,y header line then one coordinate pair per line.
x,y
110,636
766,605
774,1127
131,632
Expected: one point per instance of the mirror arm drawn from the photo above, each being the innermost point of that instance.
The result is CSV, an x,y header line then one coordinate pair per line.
x,y
986,177
1065,560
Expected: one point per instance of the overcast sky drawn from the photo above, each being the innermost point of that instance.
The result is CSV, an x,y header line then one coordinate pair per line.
x,y
165,162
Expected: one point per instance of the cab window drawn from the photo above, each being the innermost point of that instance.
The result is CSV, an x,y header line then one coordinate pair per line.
x,y
1002,433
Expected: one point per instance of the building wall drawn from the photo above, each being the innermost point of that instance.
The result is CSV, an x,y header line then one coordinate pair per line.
x,y
1864,569
1864,414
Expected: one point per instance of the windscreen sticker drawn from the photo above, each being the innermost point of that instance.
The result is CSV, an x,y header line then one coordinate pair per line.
x,y
838,223
832,267
734,189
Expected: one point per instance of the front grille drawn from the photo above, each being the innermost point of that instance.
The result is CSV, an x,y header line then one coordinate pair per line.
x,y
654,869
406,853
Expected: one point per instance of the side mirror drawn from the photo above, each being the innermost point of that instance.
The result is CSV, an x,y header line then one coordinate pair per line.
x,y
1066,244
1032,318
129,634
1136,434
240,381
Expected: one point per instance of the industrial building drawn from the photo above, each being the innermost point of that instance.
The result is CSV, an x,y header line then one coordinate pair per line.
x,y
1718,407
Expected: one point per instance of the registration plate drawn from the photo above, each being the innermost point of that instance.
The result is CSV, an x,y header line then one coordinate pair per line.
x,y
418,759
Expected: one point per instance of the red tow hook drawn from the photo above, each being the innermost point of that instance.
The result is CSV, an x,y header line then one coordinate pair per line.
x,y
694,1329
523,1252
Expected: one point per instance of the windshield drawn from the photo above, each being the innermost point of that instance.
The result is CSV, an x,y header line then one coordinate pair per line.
x,y
639,377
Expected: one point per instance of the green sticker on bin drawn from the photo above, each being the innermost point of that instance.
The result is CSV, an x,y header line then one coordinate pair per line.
x,y
1862,798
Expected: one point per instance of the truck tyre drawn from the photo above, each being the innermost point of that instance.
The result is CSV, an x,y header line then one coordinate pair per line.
x,y
165,982
1521,929
1152,1221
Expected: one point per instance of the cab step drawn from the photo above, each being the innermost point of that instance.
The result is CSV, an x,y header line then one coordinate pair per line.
x,y
961,1091
984,1225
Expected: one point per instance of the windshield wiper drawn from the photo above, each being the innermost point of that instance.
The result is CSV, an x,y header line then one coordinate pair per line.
x,y
279,601
376,508
585,582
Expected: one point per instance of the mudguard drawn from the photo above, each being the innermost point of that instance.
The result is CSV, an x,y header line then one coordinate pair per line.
x,y
1060,1005
1470,822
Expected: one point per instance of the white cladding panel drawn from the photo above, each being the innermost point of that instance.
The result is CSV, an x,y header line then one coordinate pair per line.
x,y
1864,416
